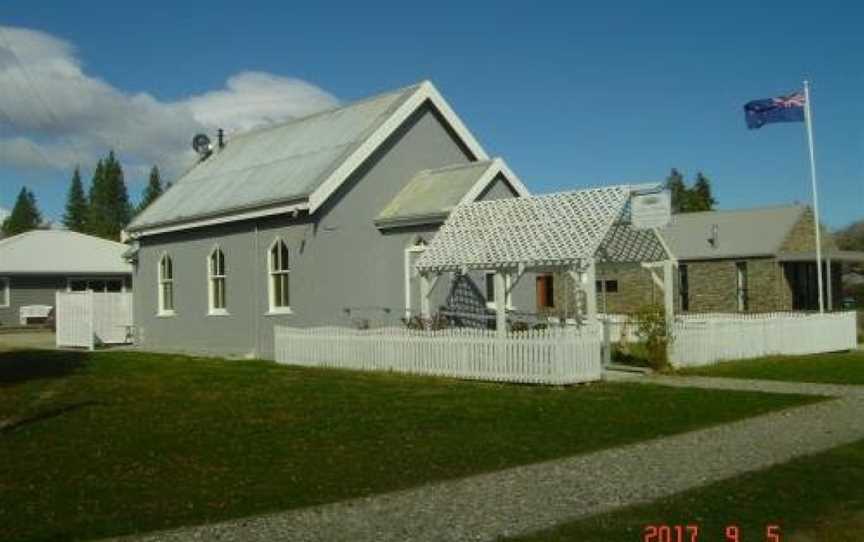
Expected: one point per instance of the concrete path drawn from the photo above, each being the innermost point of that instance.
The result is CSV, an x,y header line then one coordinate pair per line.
x,y
534,497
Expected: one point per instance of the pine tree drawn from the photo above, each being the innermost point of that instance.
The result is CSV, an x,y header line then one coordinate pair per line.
x,y
122,208
75,217
701,198
97,209
110,209
678,190
153,190
25,215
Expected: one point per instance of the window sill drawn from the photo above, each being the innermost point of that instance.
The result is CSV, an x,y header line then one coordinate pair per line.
x,y
165,314
218,312
279,311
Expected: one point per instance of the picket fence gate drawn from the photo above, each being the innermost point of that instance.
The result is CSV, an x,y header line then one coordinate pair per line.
x,y
701,340
86,319
551,356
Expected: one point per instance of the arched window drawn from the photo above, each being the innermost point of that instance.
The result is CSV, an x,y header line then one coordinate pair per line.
x,y
216,276
166,285
279,271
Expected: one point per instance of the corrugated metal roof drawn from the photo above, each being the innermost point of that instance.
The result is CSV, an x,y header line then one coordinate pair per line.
x,y
740,233
61,251
434,192
274,164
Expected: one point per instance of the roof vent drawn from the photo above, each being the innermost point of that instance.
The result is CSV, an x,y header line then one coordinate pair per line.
x,y
714,239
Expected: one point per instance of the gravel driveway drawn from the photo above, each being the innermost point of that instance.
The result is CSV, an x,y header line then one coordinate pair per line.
x,y
535,497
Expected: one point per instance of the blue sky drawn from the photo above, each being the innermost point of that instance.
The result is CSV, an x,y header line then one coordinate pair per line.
x,y
571,95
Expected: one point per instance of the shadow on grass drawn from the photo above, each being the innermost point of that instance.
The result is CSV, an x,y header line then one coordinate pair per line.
x,y
17,366
16,423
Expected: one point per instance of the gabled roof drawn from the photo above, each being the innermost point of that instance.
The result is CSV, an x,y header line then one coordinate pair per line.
x,y
293,166
431,194
740,232
550,230
61,252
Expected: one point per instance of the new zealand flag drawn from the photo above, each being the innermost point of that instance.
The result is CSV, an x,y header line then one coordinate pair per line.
x,y
783,109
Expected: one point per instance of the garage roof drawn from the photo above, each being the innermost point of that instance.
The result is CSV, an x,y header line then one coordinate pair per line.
x,y
61,252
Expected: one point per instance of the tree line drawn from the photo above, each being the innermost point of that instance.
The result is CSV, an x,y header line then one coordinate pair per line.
x,y
690,199
103,210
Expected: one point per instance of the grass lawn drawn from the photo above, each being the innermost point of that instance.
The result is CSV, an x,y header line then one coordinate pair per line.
x,y
816,498
839,368
115,442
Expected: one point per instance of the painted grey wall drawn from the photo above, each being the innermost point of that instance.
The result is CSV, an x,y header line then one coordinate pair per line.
x,y
499,188
37,290
343,268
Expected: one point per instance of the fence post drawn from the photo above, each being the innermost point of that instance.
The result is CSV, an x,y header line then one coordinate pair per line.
x,y
57,319
92,345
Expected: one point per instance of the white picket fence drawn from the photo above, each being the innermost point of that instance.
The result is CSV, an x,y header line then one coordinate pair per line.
x,y
552,356
85,319
701,340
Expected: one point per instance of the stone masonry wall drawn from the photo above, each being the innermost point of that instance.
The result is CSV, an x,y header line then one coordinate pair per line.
x,y
802,236
713,287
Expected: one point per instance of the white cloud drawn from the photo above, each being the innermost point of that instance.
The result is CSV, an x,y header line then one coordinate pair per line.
x,y
3,214
72,117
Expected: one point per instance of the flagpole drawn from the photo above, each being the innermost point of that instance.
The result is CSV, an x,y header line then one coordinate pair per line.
x,y
808,120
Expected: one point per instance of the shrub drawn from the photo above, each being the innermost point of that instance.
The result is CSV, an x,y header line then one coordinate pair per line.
x,y
519,326
436,322
652,332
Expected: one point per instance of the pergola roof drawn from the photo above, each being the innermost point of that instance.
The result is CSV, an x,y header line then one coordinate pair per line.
x,y
554,230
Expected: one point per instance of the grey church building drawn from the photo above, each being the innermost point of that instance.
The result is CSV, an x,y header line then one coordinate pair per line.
x,y
311,222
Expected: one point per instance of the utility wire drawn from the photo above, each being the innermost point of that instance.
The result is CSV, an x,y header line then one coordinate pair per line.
x,y
35,91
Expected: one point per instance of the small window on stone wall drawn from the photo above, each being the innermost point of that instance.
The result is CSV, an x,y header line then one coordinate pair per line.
x,y
611,286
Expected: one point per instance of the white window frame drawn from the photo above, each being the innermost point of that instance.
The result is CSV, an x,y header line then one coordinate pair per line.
x,y
161,282
212,280
271,276
121,280
742,286
508,280
5,293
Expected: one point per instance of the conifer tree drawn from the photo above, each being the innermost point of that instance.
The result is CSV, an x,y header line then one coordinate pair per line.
x,y
701,198
678,190
25,215
75,217
97,208
153,190
109,206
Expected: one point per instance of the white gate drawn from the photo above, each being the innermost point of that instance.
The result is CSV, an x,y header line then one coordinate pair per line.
x,y
85,319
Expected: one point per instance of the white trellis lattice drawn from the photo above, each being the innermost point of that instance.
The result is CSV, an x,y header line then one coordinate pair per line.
x,y
556,230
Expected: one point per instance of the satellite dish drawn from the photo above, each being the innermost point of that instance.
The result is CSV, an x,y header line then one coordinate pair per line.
x,y
201,144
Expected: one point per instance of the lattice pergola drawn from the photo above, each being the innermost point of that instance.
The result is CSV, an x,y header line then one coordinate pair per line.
x,y
567,231
555,230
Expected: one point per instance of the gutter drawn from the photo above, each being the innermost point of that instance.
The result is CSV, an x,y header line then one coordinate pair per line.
x,y
236,214
411,220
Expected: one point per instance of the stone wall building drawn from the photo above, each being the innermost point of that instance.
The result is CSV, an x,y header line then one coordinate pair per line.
x,y
746,260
